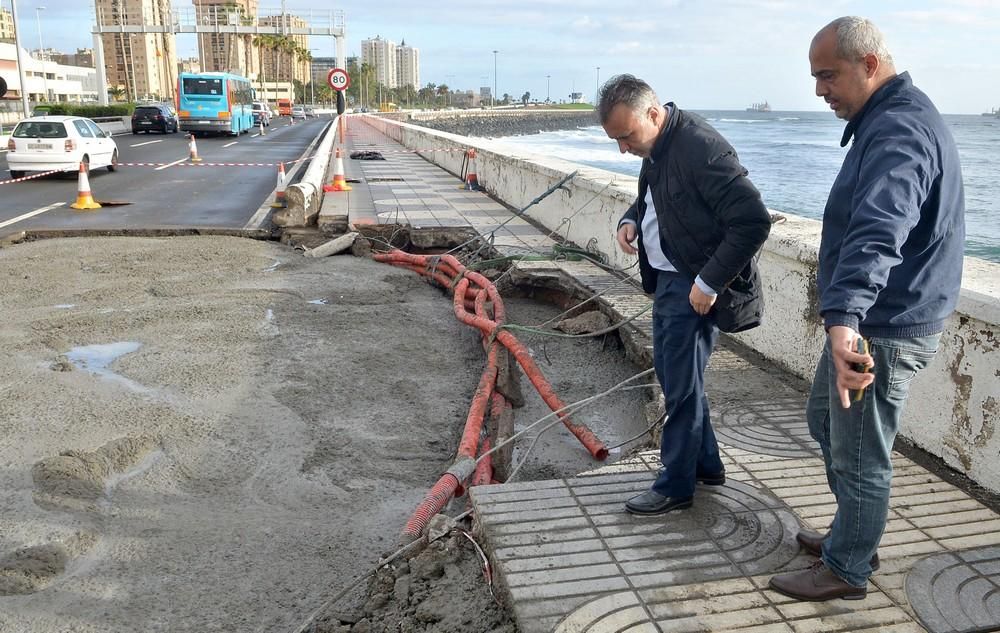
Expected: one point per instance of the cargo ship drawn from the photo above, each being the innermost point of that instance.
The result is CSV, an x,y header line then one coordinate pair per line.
x,y
763,106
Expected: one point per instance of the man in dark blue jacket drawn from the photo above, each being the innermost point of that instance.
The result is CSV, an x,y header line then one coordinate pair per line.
x,y
890,271
699,222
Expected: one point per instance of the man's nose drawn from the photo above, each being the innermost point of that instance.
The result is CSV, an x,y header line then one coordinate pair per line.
x,y
622,147
821,89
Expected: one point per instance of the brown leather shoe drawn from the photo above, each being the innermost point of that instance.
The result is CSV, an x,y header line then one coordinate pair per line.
x,y
816,584
812,542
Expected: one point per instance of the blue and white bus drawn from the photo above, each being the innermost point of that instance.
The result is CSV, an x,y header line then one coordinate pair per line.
x,y
214,102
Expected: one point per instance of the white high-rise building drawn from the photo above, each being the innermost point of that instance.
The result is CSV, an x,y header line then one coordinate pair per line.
x,y
380,55
407,66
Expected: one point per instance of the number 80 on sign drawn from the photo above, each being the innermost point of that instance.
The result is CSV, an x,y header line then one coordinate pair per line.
x,y
337,79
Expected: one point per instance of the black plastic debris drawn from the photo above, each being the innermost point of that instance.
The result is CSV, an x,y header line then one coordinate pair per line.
x,y
367,155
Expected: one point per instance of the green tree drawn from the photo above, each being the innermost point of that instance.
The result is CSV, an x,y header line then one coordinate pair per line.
x,y
525,98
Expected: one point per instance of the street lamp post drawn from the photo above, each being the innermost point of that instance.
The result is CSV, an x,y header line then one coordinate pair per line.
x,y
547,78
41,52
598,93
312,80
493,96
20,61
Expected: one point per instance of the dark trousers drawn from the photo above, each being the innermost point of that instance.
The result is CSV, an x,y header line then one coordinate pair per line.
x,y
682,343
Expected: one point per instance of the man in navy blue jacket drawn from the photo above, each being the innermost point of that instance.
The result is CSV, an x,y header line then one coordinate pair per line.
x,y
890,271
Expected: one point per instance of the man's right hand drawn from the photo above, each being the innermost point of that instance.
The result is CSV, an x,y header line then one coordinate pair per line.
x,y
626,235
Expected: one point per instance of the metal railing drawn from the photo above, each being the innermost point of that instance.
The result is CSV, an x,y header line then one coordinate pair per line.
x,y
221,19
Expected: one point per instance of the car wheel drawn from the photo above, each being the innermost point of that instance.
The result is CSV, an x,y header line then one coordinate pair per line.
x,y
114,161
16,174
135,131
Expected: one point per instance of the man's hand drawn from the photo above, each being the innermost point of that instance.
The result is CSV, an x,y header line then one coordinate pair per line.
x,y
700,302
626,235
843,342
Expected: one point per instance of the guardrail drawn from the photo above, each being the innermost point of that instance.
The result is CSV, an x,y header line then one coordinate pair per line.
x,y
305,197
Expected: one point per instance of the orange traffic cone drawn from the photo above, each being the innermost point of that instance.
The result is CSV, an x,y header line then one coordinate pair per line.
x,y
84,199
193,150
338,183
279,191
262,126
471,181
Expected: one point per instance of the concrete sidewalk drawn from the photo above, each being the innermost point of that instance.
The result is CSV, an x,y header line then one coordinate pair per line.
x,y
569,559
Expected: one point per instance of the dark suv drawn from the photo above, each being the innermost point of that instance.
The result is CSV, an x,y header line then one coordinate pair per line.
x,y
154,116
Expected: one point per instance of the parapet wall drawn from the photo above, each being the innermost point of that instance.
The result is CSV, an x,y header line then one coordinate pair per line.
x,y
954,405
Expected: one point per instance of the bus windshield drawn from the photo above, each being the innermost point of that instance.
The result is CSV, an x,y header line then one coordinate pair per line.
x,y
202,86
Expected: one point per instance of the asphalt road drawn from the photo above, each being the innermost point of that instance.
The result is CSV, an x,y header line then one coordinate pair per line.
x,y
160,183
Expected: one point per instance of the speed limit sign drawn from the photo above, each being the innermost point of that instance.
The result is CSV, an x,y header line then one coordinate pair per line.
x,y
337,79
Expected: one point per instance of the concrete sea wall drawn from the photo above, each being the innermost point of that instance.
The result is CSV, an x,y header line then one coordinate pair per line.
x,y
954,407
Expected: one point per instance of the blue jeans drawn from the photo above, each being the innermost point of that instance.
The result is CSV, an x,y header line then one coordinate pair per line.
x,y
682,343
857,448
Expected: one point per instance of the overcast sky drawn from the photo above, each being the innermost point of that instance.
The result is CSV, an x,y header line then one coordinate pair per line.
x,y
703,54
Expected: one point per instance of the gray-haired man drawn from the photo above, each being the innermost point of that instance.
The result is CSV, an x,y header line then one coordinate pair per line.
x,y
699,222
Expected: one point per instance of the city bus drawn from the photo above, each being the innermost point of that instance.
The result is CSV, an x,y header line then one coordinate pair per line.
x,y
214,102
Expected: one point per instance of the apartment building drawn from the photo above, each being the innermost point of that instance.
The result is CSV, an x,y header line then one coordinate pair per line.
x,y
228,52
6,26
139,64
284,62
407,66
380,56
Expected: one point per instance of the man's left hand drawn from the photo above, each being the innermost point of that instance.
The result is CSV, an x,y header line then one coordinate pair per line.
x,y
700,302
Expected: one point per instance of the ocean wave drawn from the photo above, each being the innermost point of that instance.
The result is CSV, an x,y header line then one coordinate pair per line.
x,y
741,120
789,118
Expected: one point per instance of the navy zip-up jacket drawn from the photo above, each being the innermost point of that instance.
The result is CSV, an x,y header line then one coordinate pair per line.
x,y
890,259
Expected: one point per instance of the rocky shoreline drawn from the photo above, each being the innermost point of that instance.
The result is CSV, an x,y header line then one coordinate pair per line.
x,y
508,123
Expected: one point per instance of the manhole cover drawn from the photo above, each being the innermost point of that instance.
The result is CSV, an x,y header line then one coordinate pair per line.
x,y
371,180
957,592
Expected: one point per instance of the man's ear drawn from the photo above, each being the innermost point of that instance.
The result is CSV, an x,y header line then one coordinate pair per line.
x,y
654,114
871,65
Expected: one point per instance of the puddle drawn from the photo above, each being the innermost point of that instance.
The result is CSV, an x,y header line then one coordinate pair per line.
x,y
319,302
96,358
64,306
273,267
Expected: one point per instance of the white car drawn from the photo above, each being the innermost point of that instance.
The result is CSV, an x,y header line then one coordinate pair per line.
x,y
59,143
298,112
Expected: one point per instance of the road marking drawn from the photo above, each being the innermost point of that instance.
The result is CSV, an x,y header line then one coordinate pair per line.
x,y
176,162
31,214
233,143
146,143
255,136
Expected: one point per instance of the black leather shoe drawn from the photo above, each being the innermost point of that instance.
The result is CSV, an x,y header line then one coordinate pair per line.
x,y
812,542
816,584
716,479
651,503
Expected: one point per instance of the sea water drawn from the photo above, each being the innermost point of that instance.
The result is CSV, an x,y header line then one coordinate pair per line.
x,y
793,158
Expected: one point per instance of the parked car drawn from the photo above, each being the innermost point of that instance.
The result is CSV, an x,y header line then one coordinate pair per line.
x,y
298,112
60,143
155,116
261,113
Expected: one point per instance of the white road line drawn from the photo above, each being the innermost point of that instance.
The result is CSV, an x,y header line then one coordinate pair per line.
x,y
146,143
233,143
31,214
176,162
255,136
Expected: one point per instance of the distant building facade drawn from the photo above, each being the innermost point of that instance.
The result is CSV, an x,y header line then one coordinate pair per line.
x,y
465,99
6,26
279,64
189,65
407,66
380,56
46,80
394,66
228,52
142,65
321,66
83,57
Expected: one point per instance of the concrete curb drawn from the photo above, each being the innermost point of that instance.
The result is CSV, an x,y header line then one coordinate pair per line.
x,y
304,197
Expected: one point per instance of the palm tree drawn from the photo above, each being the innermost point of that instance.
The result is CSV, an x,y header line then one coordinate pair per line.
x,y
116,93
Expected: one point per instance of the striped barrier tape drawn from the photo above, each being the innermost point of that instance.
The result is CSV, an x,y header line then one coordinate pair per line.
x,y
32,177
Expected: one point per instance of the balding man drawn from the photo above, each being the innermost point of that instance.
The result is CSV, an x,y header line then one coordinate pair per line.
x,y
890,270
